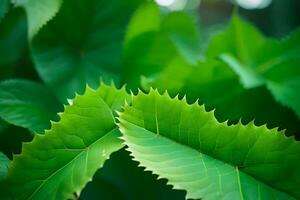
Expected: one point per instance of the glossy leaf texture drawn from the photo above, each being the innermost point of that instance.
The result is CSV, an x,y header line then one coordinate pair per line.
x,y
68,58
13,41
28,104
258,60
59,164
155,41
38,13
214,84
238,91
210,160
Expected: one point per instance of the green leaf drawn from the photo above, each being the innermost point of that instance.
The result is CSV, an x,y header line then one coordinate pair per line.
x,y
215,85
208,159
154,41
38,13
27,104
13,42
68,58
241,39
281,71
259,61
4,6
3,125
277,69
287,93
239,42
122,175
140,24
58,165
4,162
247,76
172,78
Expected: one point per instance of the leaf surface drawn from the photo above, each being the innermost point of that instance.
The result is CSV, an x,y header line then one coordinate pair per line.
x,y
4,6
281,71
38,13
4,162
58,165
68,58
214,84
208,159
13,42
154,41
27,104
261,61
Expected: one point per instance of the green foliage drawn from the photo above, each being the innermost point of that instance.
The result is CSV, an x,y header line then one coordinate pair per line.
x,y
155,43
209,160
38,13
4,5
27,104
12,39
67,59
230,75
257,60
234,147
62,161
4,162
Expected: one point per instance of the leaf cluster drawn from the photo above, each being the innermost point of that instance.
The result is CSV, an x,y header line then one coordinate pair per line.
x,y
215,119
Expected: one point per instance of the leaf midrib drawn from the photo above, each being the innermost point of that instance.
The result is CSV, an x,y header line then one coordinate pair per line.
x,y
238,171
68,163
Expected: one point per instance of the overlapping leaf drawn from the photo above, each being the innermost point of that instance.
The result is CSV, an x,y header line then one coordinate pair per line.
x,y
154,42
90,47
57,165
217,84
38,13
13,42
27,104
208,159
261,61
241,40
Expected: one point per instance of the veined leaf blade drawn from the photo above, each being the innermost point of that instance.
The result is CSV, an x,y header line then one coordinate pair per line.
x,y
59,164
208,159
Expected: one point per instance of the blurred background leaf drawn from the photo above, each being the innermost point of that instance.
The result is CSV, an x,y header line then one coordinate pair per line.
x,y
151,46
13,41
241,49
28,104
4,6
4,162
69,58
64,44
38,13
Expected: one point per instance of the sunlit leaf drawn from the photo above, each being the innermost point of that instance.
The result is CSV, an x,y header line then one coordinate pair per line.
x,y
59,164
210,160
